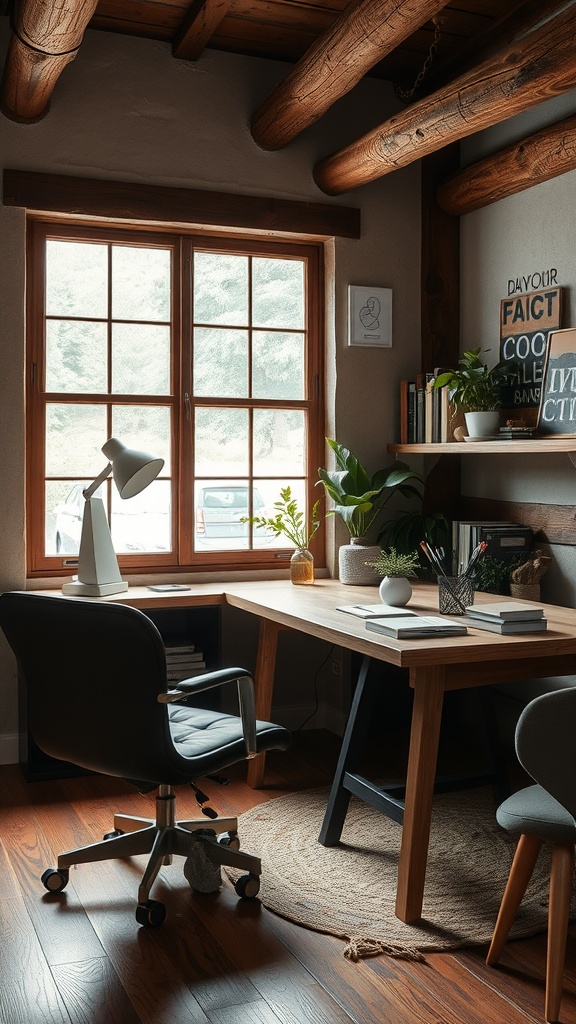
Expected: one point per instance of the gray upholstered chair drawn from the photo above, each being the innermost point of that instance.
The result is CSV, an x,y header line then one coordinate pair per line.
x,y
545,812
96,691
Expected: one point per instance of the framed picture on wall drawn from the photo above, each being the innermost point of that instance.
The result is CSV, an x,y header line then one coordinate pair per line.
x,y
369,316
557,413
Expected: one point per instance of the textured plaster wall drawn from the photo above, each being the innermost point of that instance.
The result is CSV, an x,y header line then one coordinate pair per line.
x,y
125,109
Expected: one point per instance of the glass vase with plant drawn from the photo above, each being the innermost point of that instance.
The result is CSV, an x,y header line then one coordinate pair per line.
x,y
289,521
397,569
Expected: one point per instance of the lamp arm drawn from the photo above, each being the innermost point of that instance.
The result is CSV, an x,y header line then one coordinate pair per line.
x,y
91,490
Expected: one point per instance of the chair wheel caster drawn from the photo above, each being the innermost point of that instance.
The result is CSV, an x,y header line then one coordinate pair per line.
x,y
229,839
114,834
55,879
247,887
150,914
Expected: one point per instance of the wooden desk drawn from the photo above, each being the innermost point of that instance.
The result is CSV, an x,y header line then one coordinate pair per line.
x,y
435,666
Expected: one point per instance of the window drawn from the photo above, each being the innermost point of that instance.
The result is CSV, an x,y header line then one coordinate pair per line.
x,y
203,350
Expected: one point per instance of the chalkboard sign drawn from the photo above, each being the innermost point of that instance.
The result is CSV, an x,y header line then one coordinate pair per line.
x,y
525,324
557,414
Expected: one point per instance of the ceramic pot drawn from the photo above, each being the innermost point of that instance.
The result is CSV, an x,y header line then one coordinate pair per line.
x,y
352,560
395,590
302,566
482,424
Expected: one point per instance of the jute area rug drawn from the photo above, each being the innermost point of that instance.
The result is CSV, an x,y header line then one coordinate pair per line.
x,y
349,890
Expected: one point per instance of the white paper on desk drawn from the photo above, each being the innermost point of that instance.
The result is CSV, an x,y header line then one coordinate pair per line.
x,y
374,611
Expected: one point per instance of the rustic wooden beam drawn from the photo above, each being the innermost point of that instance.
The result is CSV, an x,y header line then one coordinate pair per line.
x,y
45,38
153,204
198,27
361,36
539,157
522,75
552,524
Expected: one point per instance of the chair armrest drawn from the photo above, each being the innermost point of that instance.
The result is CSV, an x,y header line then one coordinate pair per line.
x,y
209,681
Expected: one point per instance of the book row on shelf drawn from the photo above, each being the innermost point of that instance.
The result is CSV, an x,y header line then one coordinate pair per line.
x,y
183,661
503,540
426,415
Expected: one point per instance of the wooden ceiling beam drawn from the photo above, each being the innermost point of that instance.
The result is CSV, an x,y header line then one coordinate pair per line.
x,y
539,157
198,27
526,73
45,38
361,36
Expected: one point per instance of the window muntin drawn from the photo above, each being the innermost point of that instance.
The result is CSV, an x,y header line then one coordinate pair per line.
x,y
217,372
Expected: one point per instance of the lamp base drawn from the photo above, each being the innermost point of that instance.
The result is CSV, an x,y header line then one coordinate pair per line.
x,y
94,589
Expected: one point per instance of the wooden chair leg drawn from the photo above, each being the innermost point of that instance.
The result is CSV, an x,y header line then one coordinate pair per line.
x,y
561,878
520,874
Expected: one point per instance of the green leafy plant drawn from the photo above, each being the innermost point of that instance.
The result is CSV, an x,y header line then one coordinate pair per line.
x,y
288,521
474,387
392,563
358,498
405,532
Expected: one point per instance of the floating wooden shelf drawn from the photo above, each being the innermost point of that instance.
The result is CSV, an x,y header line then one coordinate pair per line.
x,y
534,446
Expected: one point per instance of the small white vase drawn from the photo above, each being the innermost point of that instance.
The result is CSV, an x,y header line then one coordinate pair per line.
x,y
482,424
395,590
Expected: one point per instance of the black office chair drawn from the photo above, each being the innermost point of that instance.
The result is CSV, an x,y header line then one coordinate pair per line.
x,y
546,748
95,677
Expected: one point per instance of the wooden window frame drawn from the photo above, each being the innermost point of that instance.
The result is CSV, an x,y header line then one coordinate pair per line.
x,y
182,558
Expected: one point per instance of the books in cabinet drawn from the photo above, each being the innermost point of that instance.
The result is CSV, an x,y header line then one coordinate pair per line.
x,y
416,628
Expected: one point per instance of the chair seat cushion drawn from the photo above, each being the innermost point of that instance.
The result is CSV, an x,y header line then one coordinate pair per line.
x,y
201,735
535,812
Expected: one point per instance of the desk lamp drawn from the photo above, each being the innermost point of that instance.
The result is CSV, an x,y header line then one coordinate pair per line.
x,y
98,572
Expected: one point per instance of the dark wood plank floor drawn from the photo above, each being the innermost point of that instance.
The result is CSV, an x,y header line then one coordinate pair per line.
x,y
79,957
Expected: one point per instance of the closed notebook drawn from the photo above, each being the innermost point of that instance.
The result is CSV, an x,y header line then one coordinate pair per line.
x,y
509,626
419,626
505,610
374,611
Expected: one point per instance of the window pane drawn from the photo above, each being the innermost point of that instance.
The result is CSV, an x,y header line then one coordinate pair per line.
x,y
140,283
140,359
277,293
76,279
64,510
146,428
220,289
76,356
277,365
142,523
221,442
279,442
220,362
74,437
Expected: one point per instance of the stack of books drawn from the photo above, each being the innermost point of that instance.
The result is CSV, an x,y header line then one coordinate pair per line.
x,y
183,661
416,628
507,617
505,540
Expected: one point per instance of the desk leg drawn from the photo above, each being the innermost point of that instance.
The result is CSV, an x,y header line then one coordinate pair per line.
x,y
428,686
264,683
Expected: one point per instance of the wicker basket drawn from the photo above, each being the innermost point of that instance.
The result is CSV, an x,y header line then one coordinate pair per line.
x,y
525,591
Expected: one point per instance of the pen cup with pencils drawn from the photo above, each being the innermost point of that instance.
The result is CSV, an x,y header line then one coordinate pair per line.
x,y
455,594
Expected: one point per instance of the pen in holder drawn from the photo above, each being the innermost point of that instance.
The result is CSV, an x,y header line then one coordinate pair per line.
x,y
455,593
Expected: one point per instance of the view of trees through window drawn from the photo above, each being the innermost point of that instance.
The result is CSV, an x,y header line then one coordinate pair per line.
x,y
205,352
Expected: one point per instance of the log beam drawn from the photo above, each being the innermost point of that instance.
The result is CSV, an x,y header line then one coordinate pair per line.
x,y
45,38
362,35
539,157
522,75
198,27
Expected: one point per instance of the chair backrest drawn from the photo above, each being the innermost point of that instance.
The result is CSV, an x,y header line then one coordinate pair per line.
x,y
546,744
92,674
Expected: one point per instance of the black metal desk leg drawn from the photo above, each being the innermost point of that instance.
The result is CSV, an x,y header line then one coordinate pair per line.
x,y
352,745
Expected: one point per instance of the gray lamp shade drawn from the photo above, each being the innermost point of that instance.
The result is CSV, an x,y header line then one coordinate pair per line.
x,y
132,470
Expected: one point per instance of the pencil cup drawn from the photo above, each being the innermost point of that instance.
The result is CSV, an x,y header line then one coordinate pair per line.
x,y
454,594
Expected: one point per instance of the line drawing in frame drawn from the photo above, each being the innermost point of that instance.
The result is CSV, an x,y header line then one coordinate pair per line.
x,y
369,316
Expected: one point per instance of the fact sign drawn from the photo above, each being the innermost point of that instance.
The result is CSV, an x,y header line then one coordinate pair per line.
x,y
525,323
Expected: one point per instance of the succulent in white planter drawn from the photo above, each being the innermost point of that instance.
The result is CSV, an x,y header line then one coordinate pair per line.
x,y
397,569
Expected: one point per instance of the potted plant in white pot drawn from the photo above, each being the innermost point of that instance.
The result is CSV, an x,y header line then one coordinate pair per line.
x,y
358,500
397,570
476,389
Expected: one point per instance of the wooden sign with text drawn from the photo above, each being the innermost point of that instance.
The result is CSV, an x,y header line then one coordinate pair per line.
x,y
557,415
525,324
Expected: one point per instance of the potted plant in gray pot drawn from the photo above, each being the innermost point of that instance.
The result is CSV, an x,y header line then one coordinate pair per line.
x,y
358,500
475,389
